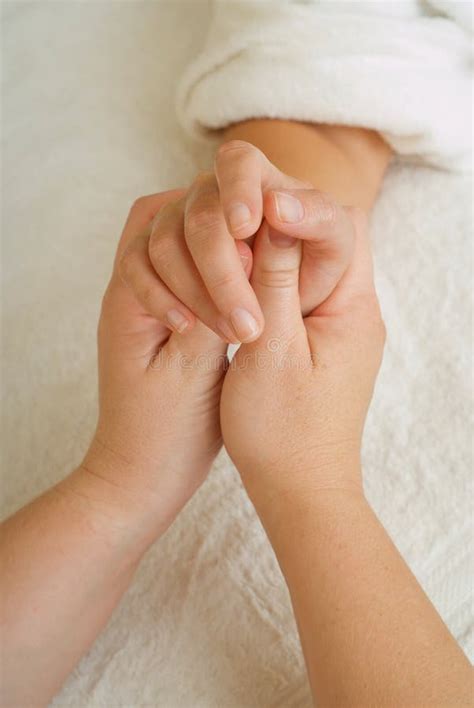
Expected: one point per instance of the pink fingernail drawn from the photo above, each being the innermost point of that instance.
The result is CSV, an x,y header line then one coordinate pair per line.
x,y
239,215
177,320
226,331
289,209
244,324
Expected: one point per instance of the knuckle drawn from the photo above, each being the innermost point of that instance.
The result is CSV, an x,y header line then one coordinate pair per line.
x,y
324,208
139,205
203,188
160,253
235,148
284,278
234,144
201,221
222,281
147,297
168,215
127,265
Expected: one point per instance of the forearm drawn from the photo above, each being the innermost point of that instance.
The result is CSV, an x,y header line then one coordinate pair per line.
x,y
369,633
348,163
67,558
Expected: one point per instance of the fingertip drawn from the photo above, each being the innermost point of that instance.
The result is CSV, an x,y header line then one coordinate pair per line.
x,y
284,207
246,256
225,332
272,212
179,321
241,219
238,216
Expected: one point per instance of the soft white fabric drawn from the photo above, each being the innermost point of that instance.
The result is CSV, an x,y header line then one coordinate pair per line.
x,y
88,126
461,11
395,67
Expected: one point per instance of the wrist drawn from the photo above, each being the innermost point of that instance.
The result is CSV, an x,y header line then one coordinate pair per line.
x,y
291,519
280,494
113,515
150,490
119,499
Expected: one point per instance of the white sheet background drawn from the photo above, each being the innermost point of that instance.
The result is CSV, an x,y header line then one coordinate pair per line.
x,y
88,124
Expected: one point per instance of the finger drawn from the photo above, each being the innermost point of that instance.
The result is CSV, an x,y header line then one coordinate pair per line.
x,y
172,261
143,210
157,300
243,172
353,302
246,256
199,357
357,284
328,234
275,279
217,259
199,348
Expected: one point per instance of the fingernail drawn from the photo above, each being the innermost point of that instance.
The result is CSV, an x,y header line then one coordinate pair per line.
x,y
289,209
177,320
280,240
226,331
245,326
239,215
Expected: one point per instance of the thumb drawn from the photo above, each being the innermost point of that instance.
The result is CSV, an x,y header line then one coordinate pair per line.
x,y
275,280
328,234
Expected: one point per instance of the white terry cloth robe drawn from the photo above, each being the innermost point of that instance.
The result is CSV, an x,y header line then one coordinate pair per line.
x,y
401,67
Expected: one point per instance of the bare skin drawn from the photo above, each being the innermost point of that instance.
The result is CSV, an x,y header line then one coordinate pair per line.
x,y
192,265
67,558
369,634
157,435
348,163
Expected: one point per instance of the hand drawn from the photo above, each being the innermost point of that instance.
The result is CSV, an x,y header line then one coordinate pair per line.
x,y
68,556
296,399
158,430
293,408
196,260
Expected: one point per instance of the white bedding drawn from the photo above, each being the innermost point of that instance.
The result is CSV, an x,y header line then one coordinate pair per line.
x,y
88,124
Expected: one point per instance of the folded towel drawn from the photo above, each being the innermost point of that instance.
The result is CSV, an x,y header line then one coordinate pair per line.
x,y
398,68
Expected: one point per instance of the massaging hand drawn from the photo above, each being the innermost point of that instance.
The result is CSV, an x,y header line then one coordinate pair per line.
x,y
293,407
195,261
158,429
68,556
299,394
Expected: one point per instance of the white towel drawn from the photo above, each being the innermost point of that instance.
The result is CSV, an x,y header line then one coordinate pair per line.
x,y
396,67
207,622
